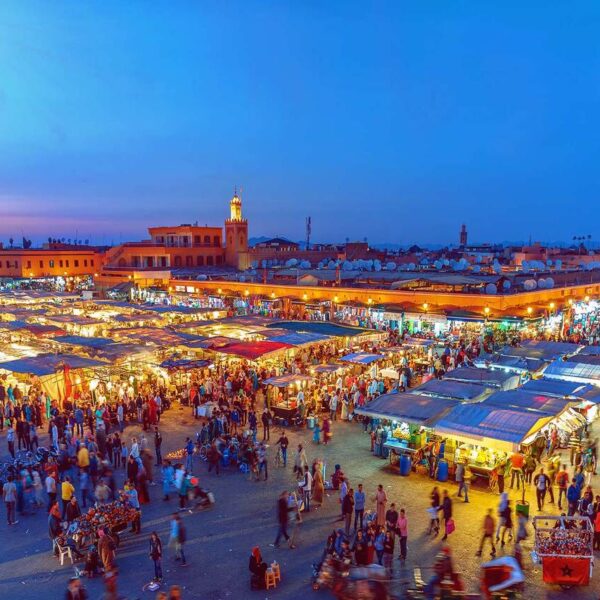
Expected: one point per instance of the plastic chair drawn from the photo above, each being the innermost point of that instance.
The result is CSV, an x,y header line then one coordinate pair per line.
x,y
276,570
270,579
64,551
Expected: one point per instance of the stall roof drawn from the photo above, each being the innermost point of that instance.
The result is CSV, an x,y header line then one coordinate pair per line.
x,y
590,351
413,341
13,325
326,368
521,399
361,358
184,364
80,340
114,352
151,335
43,330
72,319
286,380
584,369
488,425
331,329
560,389
495,378
294,338
405,407
551,349
46,364
455,390
511,363
252,350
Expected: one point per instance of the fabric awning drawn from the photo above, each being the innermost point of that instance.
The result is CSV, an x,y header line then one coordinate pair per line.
x,y
252,350
454,390
361,358
185,364
46,364
521,399
286,380
79,340
407,408
294,338
489,426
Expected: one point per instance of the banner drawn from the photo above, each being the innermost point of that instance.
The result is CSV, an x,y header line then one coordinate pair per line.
x,y
566,571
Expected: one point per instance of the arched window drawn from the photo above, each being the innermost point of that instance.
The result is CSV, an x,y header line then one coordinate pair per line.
x,y
189,261
216,241
122,262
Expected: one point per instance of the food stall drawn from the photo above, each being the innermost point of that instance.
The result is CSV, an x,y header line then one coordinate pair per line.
x,y
564,547
282,394
405,421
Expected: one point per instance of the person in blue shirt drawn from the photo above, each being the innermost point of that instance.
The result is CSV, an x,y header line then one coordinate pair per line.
x,y
359,506
573,495
189,459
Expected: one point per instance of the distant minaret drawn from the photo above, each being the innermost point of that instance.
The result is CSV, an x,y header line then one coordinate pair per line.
x,y
463,236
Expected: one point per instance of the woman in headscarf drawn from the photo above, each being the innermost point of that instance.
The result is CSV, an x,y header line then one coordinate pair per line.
x,y
258,568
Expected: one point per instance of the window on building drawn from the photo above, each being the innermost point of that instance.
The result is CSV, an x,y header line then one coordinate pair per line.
x,y
219,260
200,261
150,261
28,265
207,240
241,239
197,240
163,261
178,261
85,262
60,263
189,261
216,241
209,261
41,264
52,264
92,263
67,263
75,263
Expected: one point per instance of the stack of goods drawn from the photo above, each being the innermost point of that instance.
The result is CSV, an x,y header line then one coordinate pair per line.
x,y
563,542
115,516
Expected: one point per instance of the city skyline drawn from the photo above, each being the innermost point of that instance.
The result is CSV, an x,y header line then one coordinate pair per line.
x,y
117,120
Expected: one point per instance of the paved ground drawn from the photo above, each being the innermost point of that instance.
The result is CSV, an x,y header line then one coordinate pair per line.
x,y
219,540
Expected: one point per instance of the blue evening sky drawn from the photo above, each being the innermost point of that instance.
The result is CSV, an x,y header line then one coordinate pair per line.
x,y
394,121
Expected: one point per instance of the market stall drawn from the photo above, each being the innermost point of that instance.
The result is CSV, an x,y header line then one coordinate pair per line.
x,y
563,545
492,378
282,394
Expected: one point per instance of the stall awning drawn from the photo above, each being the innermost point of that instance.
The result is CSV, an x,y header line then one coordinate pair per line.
x,y
454,390
326,368
407,408
494,378
489,426
560,389
295,338
185,364
361,358
80,340
329,329
46,364
286,380
252,350
417,342
582,369
521,399
44,330
511,363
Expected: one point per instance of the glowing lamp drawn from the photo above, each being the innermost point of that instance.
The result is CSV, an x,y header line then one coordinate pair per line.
x,y
529,310
425,306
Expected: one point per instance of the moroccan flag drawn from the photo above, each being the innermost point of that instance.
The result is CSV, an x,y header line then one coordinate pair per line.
x,y
566,571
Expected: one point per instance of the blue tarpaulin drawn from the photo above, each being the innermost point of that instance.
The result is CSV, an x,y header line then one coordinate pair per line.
x,y
517,364
185,364
456,390
583,369
361,358
555,387
530,401
494,378
80,340
46,364
406,408
286,380
295,338
489,426
330,329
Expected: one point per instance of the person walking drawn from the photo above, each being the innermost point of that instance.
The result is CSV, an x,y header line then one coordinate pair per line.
x,y
562,481
283,510
347,510
541,482
180,540
359,506
156,555
283,443
446,509
434,523
189,456
66,493
573,495
10,440
50,484
489,526
9,493
266,419
402,531
306,487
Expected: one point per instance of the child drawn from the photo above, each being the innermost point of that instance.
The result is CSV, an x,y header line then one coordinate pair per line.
x,y
317,433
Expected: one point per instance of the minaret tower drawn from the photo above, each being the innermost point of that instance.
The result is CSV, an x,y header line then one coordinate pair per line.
x,y
236,235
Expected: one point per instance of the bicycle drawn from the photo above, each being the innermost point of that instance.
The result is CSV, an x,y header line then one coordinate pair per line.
x,y
279,458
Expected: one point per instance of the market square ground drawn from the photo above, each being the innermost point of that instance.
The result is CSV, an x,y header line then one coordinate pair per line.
x,y
219,540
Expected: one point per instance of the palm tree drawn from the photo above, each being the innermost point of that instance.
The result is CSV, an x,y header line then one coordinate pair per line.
x,y
11,241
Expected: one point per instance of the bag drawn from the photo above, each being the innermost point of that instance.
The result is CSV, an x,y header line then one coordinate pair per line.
x,y
450,526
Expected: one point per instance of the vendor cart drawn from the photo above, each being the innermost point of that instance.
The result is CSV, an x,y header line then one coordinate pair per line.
x,y
563,546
